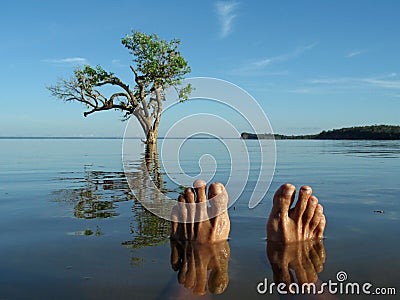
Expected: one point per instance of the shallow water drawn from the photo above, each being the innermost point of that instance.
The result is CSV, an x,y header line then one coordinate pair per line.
x,y
70,227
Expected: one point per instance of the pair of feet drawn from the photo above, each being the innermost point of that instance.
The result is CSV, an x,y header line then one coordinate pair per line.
x,y
192,220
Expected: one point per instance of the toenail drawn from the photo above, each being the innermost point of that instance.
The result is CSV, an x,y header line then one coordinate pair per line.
x,y
288,189
199,183
188,190
215,188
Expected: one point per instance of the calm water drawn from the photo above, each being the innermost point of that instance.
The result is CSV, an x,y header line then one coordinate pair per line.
x,y
71,229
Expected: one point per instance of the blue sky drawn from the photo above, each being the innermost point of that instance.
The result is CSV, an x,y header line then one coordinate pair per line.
x,y
312,65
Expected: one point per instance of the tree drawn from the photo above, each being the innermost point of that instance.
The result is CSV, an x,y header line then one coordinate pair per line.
x,y
157,66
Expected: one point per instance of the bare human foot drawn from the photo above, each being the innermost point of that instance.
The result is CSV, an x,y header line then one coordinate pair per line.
x,y
305,221
193,220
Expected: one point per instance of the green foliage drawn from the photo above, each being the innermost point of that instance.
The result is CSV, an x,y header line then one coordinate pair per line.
x,y
375,132
158,61
89,77
185,92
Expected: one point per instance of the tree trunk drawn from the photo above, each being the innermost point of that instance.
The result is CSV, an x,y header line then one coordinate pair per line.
x,y
151,138
151,152
152,161
152,134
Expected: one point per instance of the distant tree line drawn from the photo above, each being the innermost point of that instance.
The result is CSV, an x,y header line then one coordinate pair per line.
x,y
374,132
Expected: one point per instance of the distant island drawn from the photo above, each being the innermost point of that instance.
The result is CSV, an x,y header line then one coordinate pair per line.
x,y
374,132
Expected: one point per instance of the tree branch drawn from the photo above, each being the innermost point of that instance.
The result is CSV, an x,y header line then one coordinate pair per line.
x,y
116,81
121,107
142,120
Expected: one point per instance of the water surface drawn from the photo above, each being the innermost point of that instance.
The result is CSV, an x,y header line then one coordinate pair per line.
x,y
70,228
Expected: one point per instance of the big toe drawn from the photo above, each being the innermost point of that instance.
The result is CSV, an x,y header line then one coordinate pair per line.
x,y
218,198
283,199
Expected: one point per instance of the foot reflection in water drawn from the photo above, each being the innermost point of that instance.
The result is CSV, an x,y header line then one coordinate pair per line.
x,y
201,268
298,262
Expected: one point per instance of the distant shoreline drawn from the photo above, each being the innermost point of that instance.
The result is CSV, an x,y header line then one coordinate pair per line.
x,y
374,132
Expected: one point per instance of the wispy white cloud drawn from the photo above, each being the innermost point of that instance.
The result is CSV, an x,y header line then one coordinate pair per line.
x,y
284,57
330,81
387,82
226,13
68,60
390,84
258,67
355,53
117,63
306,90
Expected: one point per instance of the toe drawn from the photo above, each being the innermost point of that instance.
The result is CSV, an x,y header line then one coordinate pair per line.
x,y
182,217
277,224
316,218
309,212
319,231
218,198
301,205
199,183
283,199
189,195
202,225
191,212
200,188
215,189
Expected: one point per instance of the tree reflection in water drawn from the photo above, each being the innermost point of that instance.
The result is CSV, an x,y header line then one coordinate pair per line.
x,y
95,195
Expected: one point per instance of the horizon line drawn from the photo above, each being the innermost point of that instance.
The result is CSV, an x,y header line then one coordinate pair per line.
x,y
102,137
